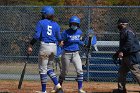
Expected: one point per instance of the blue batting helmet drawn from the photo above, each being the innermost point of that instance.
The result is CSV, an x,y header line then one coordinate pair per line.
x,y
90,31
74,19
48,10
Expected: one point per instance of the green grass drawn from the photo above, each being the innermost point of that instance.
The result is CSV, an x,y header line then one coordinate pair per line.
x,y
16,68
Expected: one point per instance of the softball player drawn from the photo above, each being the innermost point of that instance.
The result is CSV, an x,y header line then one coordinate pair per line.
x,y
71,40
94,39
90,32
48,33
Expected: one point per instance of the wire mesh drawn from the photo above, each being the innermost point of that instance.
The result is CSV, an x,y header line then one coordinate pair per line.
x,y
18,26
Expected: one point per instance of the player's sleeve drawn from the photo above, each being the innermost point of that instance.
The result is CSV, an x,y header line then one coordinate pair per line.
x,y
58,35
94,40
37,34
64,36
80,42
38,29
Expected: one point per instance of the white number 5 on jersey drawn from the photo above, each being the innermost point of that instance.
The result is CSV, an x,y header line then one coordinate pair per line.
x,y
49,30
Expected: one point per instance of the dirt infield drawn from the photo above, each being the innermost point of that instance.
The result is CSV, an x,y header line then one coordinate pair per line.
x,y
7,86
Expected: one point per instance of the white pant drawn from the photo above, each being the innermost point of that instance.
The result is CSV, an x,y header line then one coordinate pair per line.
x,y
74,58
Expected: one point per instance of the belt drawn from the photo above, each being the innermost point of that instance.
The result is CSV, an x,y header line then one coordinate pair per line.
x,y
70,51
47,42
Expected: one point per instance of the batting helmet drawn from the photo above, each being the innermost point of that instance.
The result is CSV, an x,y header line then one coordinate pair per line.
x,y
74,19
90,31
48,10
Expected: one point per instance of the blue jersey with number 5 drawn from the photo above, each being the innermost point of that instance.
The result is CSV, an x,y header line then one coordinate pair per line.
x,y
47,31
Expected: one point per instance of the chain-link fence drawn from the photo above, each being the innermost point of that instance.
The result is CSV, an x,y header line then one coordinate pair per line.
x,y
17,27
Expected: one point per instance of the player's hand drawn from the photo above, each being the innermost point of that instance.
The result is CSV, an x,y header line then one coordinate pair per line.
x,y
61,43
29,50
120,54
85,46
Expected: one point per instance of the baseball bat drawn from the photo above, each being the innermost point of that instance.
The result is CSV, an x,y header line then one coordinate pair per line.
x,y
87,59
89,43
23,73
88,47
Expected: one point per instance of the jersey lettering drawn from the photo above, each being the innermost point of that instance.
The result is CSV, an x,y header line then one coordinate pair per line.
x,y
49,30
76,37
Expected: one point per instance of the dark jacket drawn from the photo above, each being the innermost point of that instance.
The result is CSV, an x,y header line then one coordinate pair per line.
x,y
129,44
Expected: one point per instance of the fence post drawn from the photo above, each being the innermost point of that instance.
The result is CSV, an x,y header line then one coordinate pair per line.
x,y
89,51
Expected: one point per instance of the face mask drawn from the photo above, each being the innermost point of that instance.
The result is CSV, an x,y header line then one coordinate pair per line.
x,y
74,27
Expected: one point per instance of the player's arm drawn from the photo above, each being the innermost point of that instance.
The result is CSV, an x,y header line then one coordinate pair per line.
x,y
58,35
64,37
81,43
31,45
81,40
36,37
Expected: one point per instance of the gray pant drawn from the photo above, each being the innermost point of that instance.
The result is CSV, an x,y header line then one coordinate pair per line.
x,y
74,58
46,56
125,67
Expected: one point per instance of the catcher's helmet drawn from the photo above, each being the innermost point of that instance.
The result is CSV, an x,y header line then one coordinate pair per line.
x,y
48,10
74,19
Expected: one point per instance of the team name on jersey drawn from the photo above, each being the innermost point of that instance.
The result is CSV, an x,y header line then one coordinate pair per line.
x,y
75,37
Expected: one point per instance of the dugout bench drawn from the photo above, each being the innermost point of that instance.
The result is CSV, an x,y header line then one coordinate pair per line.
x,y
101,68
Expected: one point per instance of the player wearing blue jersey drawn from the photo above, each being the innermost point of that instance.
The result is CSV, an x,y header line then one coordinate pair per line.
x,y
48,33
94,39
71,39
89,33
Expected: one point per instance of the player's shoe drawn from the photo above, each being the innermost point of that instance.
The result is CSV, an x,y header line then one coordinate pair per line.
x,y
53,91
81,91
40,92
59,90
119,91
